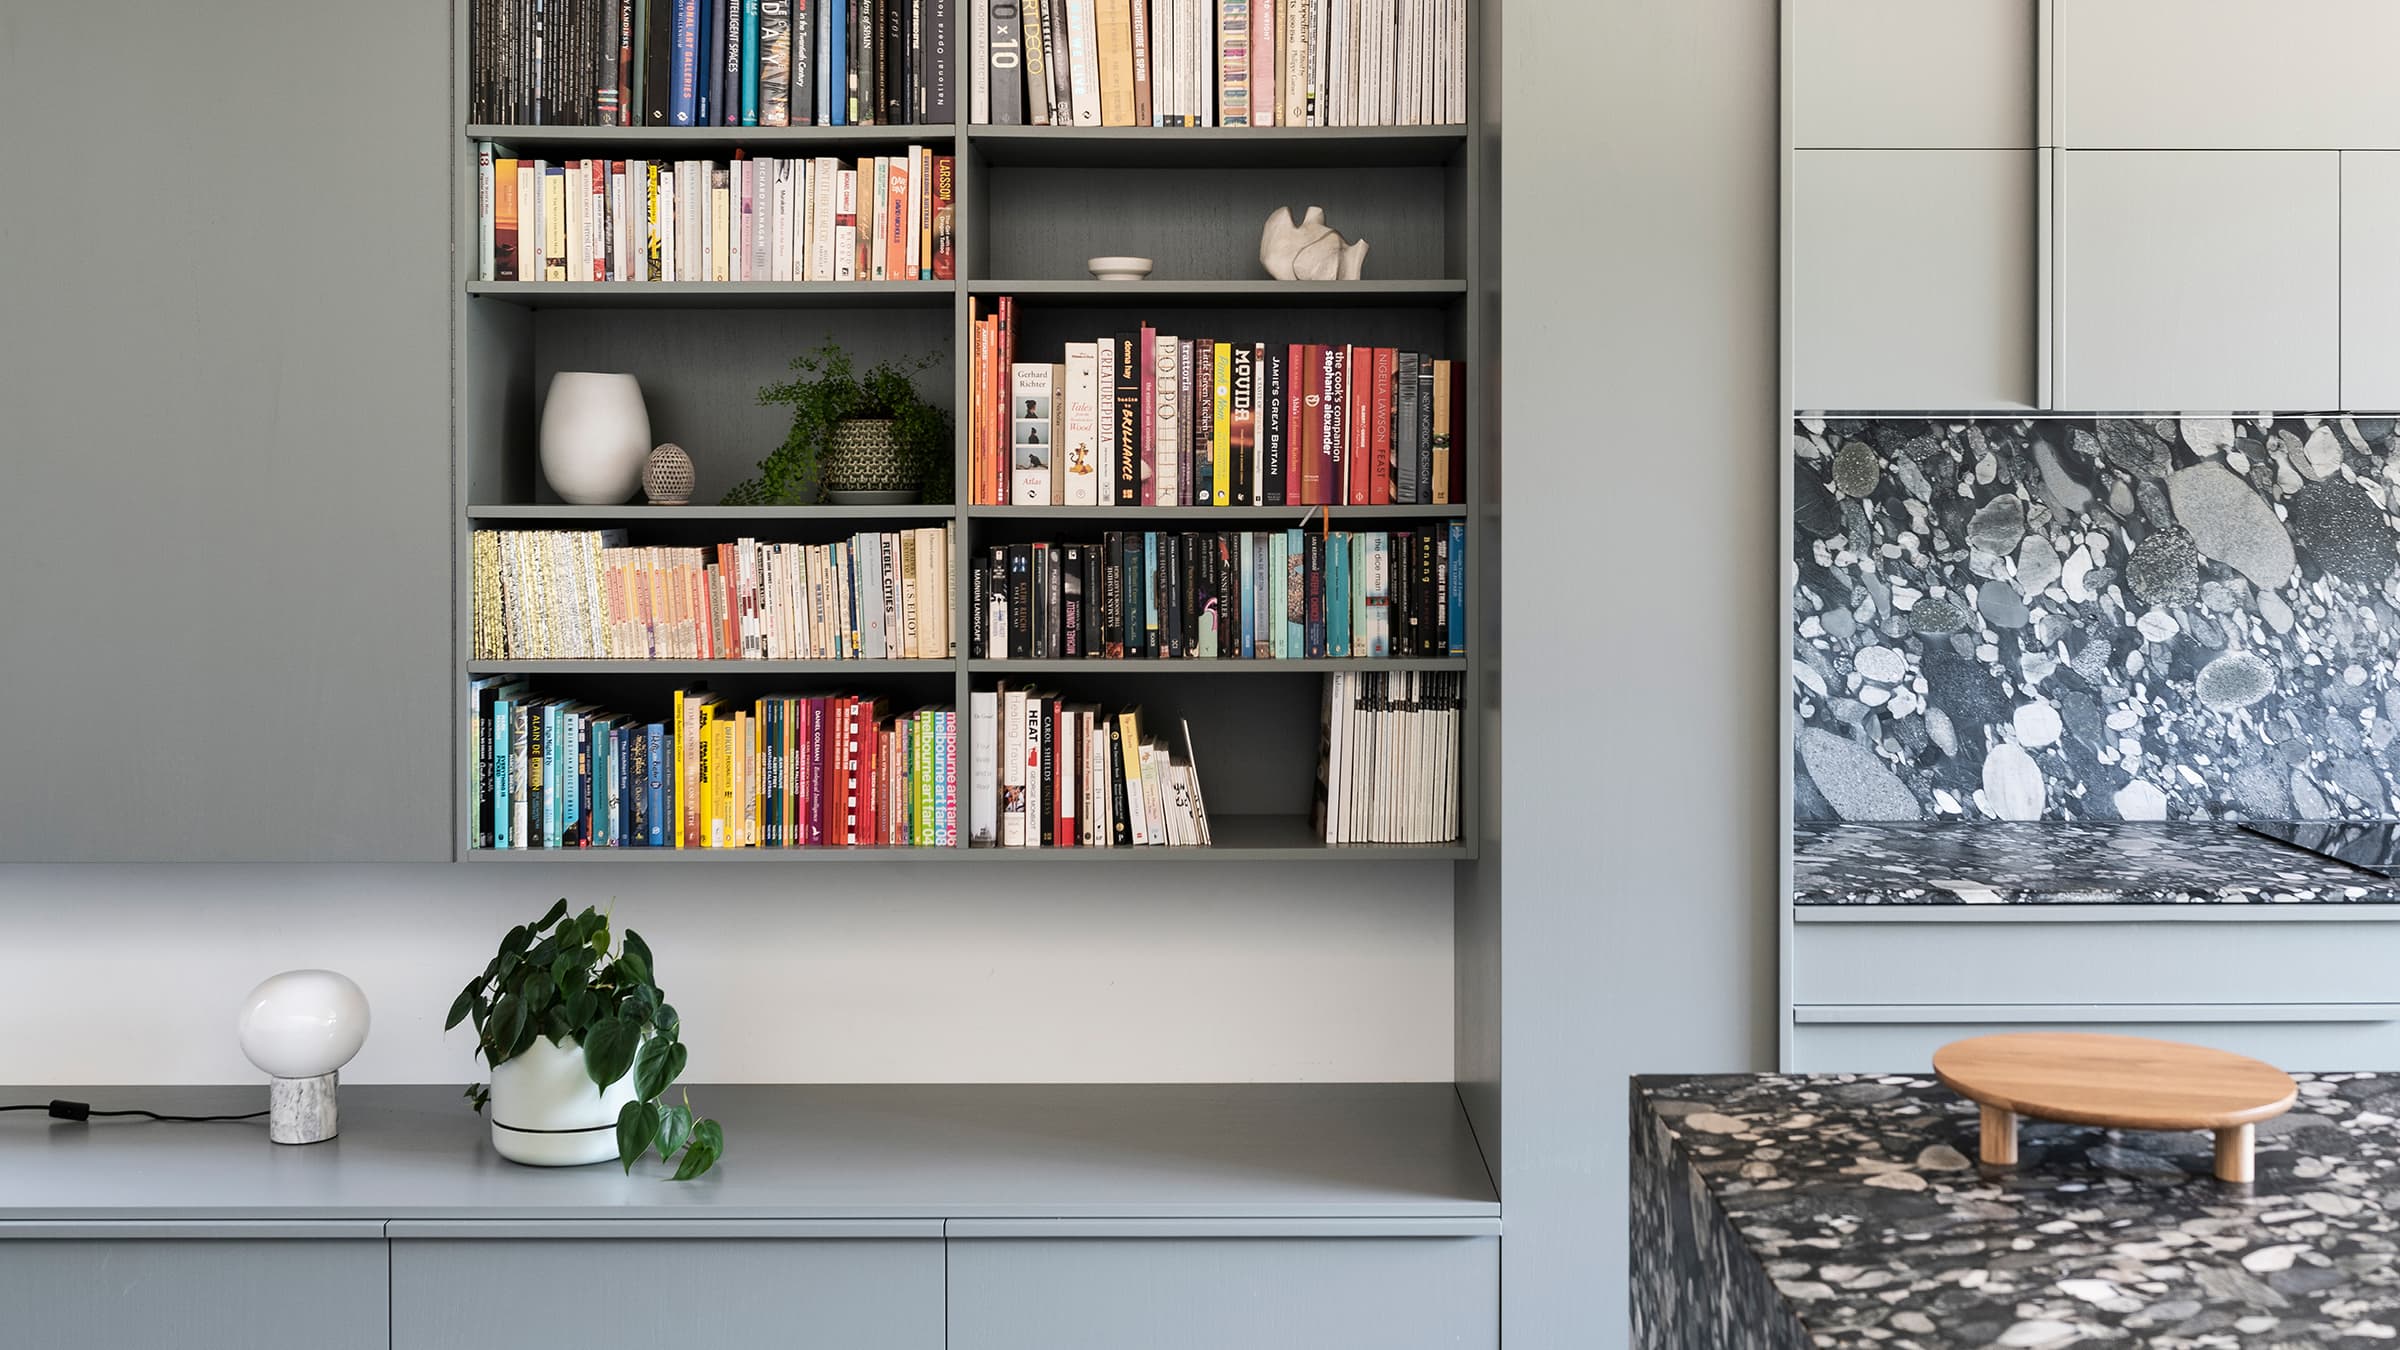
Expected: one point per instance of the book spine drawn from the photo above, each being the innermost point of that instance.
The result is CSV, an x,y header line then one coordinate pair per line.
x,y
1191,398
836,73
1037,63
1233,63
1379,427
1220,424
1083,62
1274,431
683,105
800,98
772,81
1143,74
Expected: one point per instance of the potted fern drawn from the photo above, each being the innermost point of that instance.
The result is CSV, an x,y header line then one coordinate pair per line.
x,y
857,438
583,1046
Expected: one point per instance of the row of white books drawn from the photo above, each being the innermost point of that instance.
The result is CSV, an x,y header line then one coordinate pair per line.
x,y
586,594
1212,63
1389,772
884,218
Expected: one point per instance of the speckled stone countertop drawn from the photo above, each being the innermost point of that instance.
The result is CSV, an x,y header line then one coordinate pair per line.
x,y
1842,1210
2066,863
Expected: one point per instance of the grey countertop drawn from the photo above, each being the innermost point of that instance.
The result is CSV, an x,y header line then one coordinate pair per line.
x,y
1849,1211
2065,863
1174,1151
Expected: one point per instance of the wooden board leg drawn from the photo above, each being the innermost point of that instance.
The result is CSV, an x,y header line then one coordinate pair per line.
x,y
2235,1147
1999,1141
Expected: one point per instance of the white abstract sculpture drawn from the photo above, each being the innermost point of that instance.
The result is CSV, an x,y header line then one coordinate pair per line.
x,y
1310,250
301,1027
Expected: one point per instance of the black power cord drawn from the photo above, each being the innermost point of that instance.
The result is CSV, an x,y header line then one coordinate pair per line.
x,y
66,1110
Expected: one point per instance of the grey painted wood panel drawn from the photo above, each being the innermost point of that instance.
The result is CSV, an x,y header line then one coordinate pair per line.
x,y
230,1294
1904,74
1156,1151
2198,280
1914,279
223,535
2171,74
1206,1294
859,1294
2371,280
2132,960
1909,1047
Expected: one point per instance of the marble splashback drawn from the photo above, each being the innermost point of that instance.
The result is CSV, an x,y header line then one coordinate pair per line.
x,y
2097,619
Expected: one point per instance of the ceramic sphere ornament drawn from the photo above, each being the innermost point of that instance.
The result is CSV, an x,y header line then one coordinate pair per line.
x,y
667,476
301,1027
595,437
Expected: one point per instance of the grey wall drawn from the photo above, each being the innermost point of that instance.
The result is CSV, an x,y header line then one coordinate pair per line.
x,y
1639,763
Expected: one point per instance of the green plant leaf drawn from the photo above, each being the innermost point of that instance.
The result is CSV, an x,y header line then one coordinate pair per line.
x,y
674,1128
580,1006
567,975
637,1128
661,1060
464,1005
701,1154
518,939
556,1024
500,1033
635,966
556,912
538,993
634,946
667,1020
478,1095
608,1050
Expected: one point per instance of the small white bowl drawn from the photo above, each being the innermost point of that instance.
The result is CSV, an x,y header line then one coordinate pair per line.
x,y
1119,269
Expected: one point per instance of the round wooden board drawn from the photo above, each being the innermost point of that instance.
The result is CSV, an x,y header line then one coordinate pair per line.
x,y
2117,1082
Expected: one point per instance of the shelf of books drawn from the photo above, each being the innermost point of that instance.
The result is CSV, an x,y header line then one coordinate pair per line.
x,y
1205,473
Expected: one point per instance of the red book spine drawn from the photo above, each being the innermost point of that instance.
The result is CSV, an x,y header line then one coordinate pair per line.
x,y
1004,346
864,718
597,172
1336,445
1358,374
1379,424
851,790
1149,416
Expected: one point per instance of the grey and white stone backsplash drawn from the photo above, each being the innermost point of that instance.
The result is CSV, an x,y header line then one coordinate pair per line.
x,y
2099,619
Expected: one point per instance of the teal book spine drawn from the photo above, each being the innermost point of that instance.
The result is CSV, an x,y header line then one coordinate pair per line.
x,y
1295,593
1337,595
503,713
749,63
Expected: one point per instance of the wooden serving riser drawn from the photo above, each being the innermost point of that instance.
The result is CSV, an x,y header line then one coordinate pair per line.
x,y
2118,1083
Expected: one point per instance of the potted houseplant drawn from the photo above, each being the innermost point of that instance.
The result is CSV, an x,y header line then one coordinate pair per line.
x,y
583,1046
863,438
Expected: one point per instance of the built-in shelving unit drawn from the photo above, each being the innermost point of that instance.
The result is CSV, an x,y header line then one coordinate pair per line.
x,y
1033,204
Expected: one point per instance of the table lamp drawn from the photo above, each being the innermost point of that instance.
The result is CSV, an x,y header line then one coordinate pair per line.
x,y
301,1027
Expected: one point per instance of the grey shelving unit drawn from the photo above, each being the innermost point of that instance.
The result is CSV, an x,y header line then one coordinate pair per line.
x,y
1033,203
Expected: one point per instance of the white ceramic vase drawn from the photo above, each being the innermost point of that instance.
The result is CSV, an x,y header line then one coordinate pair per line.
x,y
547,1113
595,437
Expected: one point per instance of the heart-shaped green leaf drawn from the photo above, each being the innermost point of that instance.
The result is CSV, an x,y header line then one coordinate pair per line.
x,y
500,1031
674,1129
637,1128
661,1060
634,946
708,1144
464,1005
609,1048
667,1020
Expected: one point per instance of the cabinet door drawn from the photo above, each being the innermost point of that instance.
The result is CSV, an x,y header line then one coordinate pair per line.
x,y
2371,281
1209,1293
207,1293
2226,74
2198,280
859,1286
224,531
1914,279
1908,75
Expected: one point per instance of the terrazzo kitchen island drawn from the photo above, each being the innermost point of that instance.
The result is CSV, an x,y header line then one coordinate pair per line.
x,y
1778,1211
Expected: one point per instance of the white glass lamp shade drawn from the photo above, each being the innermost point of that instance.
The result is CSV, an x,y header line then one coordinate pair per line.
x,y
303,1023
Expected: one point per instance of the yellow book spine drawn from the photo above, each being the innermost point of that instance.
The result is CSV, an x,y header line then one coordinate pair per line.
x,y
1221,434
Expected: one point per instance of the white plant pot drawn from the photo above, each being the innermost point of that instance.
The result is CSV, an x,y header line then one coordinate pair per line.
x,y
595,437
547,1113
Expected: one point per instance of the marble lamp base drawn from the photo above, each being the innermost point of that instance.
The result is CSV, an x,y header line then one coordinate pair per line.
x,y
301,1110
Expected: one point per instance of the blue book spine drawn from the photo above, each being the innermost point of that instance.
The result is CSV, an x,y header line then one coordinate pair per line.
x,y
657,732
707,103
837,69
1337,595
503,711
620,773
749,63
683,99
1458,588
1295,616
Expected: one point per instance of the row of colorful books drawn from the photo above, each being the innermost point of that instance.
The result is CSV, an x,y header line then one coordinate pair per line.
x,y
883,218
1232,63
683,63
1148,419
1388,771
587,594
1044,772
787,771
1241,595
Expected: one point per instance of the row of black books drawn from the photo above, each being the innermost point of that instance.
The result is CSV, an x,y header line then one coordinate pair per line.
x,y
700,63
1236,594
1388,771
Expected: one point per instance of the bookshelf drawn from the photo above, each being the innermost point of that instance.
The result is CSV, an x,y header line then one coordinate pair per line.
x,y
1033,203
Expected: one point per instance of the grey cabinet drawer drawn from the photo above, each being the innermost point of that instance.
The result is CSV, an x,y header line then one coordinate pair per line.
x,y
305,1292
552,1287
1907,1047
2127,73
1907,75
1219,1293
